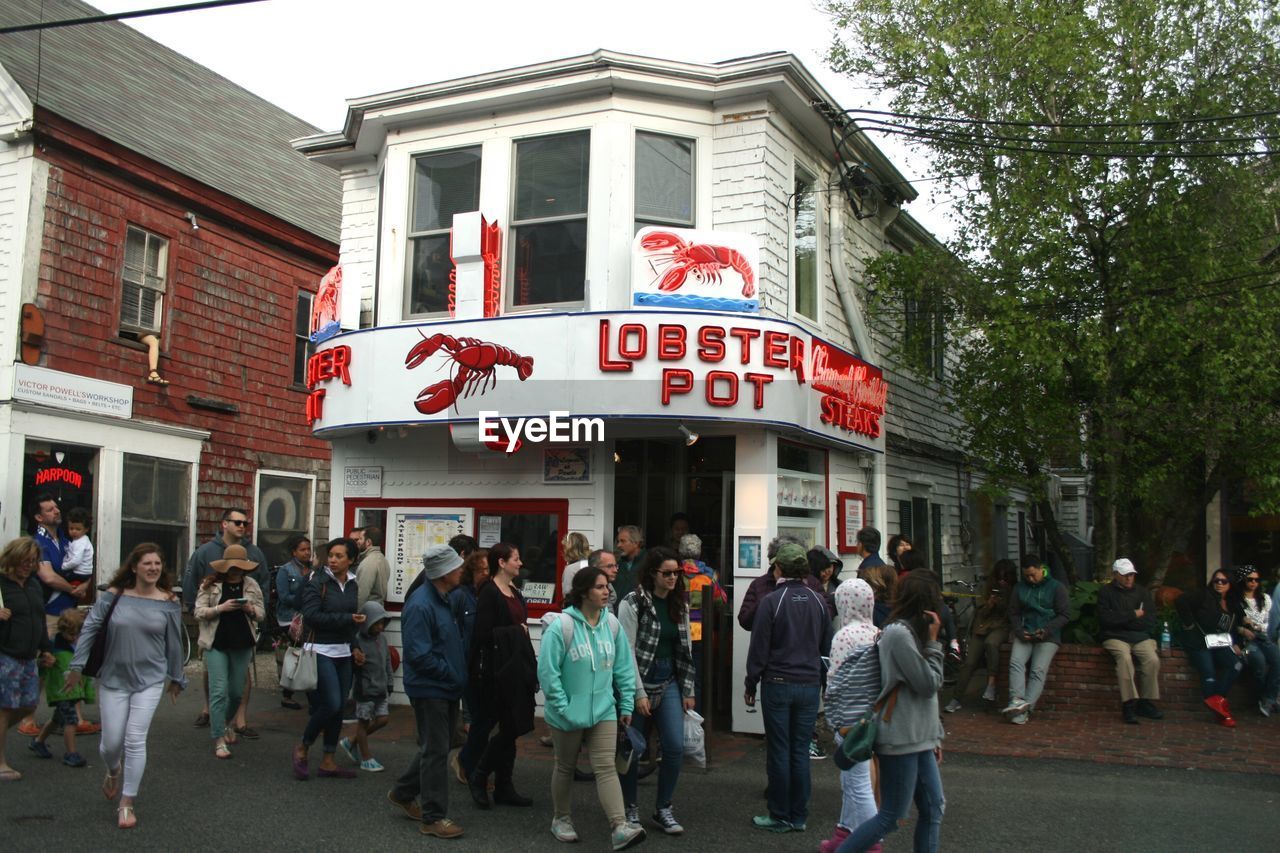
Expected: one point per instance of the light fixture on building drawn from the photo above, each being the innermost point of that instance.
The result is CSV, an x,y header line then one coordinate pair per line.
x,y
617,457
191,217
690,437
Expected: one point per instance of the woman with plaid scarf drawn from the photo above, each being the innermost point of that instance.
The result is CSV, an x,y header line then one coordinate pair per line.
x,y
655,616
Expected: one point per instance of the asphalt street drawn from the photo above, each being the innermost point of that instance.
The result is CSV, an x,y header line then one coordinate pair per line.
x,y
191,801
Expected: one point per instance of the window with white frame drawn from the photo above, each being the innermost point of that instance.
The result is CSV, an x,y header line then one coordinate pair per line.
x,y
302,346
549,221
444,183
804,246
143,282
155,506
283,504
664,180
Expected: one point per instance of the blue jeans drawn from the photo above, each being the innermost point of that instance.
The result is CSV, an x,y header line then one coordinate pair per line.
x,y
1217,668
790,711
1263,658
902,779
669,717
1022,685
333,683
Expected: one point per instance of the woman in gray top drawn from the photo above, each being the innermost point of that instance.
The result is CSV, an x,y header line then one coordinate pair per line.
x,y
142,619
909,738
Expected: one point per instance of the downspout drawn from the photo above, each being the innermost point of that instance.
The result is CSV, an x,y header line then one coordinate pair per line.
x,y
854,318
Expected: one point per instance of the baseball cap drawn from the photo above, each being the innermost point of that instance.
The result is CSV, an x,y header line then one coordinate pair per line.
x,y
1123,566
791,558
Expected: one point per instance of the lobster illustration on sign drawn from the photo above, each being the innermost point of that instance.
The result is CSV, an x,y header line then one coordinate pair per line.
x,y
475,362
703,261
324,311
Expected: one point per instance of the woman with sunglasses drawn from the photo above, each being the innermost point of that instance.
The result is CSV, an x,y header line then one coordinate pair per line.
x,y
1211,640
655,617
1260,632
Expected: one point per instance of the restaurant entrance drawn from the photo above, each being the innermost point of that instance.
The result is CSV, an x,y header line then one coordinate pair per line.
x,y
654,480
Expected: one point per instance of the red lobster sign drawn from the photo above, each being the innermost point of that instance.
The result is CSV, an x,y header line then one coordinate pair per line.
x,y
491,253
475,367
703,261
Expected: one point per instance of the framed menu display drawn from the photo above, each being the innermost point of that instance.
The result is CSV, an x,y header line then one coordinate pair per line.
x,y
851,513
411,531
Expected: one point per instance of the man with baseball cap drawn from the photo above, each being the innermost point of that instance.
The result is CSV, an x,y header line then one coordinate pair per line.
x,y
435,674
1127,618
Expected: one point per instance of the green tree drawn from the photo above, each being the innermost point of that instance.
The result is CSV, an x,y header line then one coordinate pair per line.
x,y
1113,286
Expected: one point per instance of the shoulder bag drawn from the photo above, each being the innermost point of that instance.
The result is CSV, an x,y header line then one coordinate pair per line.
x,y
298,669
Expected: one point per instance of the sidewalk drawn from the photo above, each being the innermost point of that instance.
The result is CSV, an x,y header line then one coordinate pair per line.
x,y
1181,740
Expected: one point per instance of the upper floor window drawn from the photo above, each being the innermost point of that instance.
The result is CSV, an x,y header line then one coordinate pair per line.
x,y
143,280
804,246
302,346
443,184
549,222
664,180
924,336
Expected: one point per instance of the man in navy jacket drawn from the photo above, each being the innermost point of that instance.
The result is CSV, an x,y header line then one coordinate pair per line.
x,y
435,674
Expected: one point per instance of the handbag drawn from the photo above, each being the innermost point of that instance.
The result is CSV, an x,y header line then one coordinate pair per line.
x,y
859,739
298,669
98,651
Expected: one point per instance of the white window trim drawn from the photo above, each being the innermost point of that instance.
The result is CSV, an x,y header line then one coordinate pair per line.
x,y
409,235
812,323
297,475
509,231
163,270
693,178
309,349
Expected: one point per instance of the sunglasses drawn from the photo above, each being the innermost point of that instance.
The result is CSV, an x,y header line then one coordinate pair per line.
x,y
1220,580
239,522
1252,579
670,574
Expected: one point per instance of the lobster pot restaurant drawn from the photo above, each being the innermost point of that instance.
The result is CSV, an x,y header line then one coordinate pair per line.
x,y
522,428
530,334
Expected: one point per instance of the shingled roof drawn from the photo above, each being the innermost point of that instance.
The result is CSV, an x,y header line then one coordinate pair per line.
x,y
138,93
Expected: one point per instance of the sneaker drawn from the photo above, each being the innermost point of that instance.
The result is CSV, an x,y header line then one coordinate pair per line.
x,y
545,740
665,819
350,749
633,815
202,721
562,829
953,706
1020,718
372,765
815,751
411,809
1264,708
39,749
442,828
74,759
770,823
626,835
989,695
1016,706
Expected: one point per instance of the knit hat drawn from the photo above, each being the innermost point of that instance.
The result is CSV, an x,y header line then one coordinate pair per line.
x,y
439,560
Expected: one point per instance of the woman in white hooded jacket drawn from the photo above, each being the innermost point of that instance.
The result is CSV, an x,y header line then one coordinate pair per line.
x,y
855,602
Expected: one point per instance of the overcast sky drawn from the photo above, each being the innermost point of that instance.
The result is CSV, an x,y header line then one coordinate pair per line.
x,y
309,56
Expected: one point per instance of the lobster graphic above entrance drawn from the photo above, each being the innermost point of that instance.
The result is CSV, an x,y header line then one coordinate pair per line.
x,y
475,369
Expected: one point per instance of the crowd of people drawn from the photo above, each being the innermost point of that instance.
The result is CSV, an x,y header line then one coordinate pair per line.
x,y
619,663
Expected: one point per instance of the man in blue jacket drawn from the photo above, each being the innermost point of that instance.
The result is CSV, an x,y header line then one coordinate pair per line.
x,y
435,674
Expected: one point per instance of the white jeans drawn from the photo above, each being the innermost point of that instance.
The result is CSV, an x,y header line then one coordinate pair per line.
x,y
858,801
126,717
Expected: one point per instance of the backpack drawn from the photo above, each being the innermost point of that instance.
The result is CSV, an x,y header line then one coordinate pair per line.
x,y
855,686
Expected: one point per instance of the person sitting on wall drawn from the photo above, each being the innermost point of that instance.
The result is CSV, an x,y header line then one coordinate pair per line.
x,y
1038,611
763,585
989,631
629,542
1127,620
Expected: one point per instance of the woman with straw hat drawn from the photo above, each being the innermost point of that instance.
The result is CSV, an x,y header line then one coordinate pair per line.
x,y
229,607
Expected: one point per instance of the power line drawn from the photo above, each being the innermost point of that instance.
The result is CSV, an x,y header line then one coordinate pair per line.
x,y
120,16
1091,124
1106,155
875,124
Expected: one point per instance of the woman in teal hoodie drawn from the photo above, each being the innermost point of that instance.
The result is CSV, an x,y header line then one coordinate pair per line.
x,y
589,683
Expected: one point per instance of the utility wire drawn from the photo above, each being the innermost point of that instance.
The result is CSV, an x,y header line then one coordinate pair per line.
x,y
1105,155
120,16
1089,124
875,124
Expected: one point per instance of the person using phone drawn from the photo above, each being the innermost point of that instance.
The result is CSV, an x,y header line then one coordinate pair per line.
x,y
909,737
1038,611
229,607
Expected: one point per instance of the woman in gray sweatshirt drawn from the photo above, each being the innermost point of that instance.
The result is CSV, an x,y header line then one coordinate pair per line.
x,y
909,739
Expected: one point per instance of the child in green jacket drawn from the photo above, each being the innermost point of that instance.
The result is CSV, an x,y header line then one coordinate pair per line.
x,y
62,700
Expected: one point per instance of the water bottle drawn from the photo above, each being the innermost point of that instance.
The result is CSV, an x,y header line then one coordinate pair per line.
x,y
1166,641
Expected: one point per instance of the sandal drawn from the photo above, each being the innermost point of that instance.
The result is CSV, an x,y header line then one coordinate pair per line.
x,y
221,751
111,784
127,819
230,735
155,378
10,775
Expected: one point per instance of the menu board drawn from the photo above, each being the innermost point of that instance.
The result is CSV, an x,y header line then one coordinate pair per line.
x,y
411,531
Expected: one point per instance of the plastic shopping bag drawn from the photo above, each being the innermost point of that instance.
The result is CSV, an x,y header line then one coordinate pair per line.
x,y
695,741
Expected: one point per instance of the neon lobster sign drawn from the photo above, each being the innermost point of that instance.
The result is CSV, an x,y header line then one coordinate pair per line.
x,y
491,258
333,363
